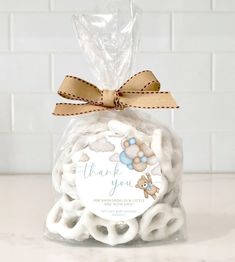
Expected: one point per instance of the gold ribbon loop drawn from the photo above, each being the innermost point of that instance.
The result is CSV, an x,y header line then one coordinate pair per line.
x,y
140,91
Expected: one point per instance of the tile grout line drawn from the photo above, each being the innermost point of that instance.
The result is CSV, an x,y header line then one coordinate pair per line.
x,y
12,113
50,5
212,5
39,52
71,12
34,133
171,32
10,35
61,132
186,174
212,74
157,52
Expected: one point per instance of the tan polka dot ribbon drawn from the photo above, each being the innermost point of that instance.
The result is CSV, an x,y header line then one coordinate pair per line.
x,y
140,91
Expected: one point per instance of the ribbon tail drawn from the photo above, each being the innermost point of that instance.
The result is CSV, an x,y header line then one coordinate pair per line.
x,y
148,99
66,109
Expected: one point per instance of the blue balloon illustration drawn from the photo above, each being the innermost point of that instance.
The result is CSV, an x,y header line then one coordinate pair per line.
x,y
132,141
125,159
130,166
143,159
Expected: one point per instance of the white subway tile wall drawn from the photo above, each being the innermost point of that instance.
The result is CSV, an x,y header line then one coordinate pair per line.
x,y
224,5
43,32
203,32
32,114
223,144
155,32
25,153
189,44
24,72
179,72
224,74
70,64
23,5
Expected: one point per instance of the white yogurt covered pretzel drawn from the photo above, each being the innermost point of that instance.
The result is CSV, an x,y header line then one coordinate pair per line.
x,y
160,222
65,219
163,190
171,196
111,232
59,176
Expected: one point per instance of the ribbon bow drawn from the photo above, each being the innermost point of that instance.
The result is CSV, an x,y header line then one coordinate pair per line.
x,y
140,91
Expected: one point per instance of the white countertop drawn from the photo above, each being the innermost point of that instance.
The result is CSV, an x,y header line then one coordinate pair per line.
x,y
209,201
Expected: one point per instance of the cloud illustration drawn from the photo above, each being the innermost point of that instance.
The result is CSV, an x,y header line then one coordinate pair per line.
x,y
114,157
156,170
102,145
84,158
